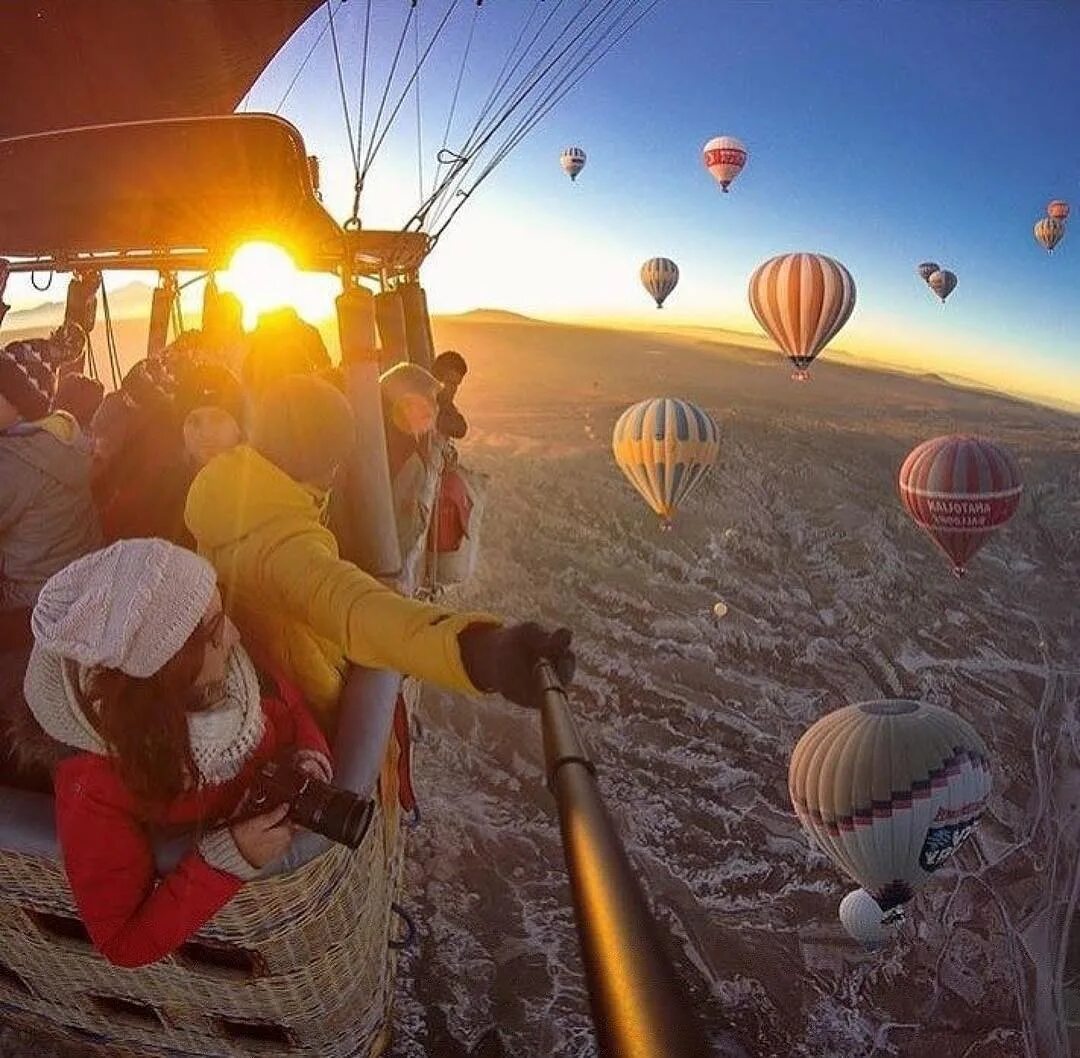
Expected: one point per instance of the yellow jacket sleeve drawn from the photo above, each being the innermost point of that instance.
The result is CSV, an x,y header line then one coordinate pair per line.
x,y
373,625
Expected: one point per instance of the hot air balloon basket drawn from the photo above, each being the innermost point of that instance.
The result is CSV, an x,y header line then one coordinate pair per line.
x,y
299,964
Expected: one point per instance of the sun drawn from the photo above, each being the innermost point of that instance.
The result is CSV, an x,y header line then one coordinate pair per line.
x,y
263,276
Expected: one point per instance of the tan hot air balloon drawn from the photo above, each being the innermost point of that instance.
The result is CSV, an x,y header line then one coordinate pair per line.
x,y
888,790
802,300
1049,232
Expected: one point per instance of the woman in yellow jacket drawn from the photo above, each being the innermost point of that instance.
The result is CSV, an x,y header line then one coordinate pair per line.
x,y
256,514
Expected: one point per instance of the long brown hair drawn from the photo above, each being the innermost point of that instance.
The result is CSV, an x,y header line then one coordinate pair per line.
x,y
144,722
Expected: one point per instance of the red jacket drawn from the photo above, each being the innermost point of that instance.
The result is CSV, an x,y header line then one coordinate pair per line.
x,y
133,916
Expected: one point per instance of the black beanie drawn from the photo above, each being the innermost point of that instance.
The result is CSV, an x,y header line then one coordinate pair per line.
x,y
27,383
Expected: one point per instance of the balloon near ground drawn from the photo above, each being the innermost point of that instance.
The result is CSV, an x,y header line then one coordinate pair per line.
x,y
802,300
861,916
1049,232
659,276
665,447
960,490
942,282
724,157
927,269
889,790
572,161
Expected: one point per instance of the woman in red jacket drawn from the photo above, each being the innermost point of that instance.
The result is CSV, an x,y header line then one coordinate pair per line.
x,y
136,665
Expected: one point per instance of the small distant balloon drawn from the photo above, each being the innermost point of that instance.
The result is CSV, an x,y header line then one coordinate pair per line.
x,y
960,489
1058,210
659,276
942,282
724,157
802,300
1049,232
720,609
572,161
862,917
665,447
927,269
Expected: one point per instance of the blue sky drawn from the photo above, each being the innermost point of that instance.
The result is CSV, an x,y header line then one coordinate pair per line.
x,y
881,134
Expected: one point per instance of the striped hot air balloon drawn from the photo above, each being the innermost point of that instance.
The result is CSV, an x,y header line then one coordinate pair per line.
x,y
1049,232
942,282
659,276
724,157
1058,210
888,790
572,161
802,300
960,489
665,447
927,269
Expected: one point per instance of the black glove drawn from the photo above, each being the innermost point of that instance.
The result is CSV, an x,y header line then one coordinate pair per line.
x,y
504,659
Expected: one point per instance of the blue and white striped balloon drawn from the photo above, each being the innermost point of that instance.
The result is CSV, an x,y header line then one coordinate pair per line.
x,y
659,275
665,447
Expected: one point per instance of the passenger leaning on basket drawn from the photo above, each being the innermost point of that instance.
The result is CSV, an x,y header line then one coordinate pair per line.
x,y
256,513
46,519
136,666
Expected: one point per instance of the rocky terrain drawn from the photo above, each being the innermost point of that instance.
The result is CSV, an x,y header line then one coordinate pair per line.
x,y
833,597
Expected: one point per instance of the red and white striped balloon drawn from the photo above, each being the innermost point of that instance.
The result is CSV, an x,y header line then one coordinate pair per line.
x,y
724,157
802,300
960,489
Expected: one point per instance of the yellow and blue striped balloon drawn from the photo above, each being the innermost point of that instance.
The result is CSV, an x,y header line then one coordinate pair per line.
x,y
665,447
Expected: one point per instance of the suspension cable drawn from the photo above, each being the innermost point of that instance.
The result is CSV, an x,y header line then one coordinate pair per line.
x,y
362,171
110,339
300,69
363,89
341,83
551,98
522,91
408,84
419,117
457,83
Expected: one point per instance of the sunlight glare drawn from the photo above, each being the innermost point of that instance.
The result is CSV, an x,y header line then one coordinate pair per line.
x,y
263,276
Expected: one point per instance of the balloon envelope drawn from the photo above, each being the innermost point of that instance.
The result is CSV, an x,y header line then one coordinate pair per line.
x,y
659,276
665,447
724,157
720,609
1058,210
572,161
861,916
1049,232
927,269
960,489
942,282
889,790
802,300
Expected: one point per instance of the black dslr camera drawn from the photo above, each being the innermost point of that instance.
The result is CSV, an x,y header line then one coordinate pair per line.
x,y
339,815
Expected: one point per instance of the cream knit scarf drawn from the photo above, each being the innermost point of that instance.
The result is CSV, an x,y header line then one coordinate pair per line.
x,y
223,736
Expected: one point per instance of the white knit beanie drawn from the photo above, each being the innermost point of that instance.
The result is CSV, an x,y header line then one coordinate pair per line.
x,y
130,606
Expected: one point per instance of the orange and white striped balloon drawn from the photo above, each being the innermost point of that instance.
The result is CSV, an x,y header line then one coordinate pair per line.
x,y
1058,210
802,300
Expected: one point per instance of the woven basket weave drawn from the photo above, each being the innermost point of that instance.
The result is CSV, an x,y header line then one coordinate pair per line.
x,y
315,972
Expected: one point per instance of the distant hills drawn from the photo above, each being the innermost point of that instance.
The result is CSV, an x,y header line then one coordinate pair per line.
x,y
131,301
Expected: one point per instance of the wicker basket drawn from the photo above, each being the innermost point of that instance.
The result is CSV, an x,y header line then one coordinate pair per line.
x,y
298,964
